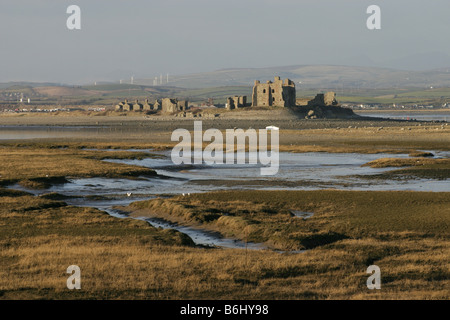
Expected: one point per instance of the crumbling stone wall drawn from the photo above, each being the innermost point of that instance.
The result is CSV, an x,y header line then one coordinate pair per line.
x,y
137,106
124,106
173,105
278,93
119,106
182,105
147,106
322,100
330,99
236,102
157,105
127,106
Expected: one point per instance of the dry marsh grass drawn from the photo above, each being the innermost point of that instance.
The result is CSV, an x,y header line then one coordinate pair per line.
x,y
408,162
76,144
414,168
35,167
264,216
128,259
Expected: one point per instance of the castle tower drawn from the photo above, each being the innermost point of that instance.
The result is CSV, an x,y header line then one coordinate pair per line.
x,y
277,93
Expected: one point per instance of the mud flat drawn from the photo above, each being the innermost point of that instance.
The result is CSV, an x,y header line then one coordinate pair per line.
x,y
286,119
296,135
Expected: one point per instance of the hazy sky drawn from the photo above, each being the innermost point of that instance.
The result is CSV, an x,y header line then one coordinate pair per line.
x,y
120,38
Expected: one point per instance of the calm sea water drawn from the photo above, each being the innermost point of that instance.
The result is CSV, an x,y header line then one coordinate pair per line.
x,y
424,116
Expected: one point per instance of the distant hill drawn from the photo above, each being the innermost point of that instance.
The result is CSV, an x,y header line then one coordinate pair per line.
x,y
305,76
354,85
17,84
64,91
420,61
315,76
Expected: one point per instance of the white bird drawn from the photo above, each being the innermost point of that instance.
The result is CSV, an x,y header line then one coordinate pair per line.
x,y
183,194
189,194
129,194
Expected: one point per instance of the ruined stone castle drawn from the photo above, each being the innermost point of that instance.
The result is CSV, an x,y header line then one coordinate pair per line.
x,y
167,105
173,105
278,93
236,102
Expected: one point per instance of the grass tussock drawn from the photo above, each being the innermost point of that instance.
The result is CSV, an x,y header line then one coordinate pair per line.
x,y
421,154
415,168
406,162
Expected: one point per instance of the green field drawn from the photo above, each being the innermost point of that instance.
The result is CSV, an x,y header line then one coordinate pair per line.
x,y
406,96
110,94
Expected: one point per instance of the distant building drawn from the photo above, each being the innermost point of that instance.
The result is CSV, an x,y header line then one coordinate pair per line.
x,y
147,106
277,94
320,100
137,106
324,99
236,102
173,105
119,107
157,105
124,106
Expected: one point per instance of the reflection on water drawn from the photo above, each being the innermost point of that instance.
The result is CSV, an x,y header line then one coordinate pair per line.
x,y
298,171
301,214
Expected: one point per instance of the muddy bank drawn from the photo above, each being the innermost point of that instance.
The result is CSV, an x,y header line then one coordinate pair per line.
x,y
245,120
